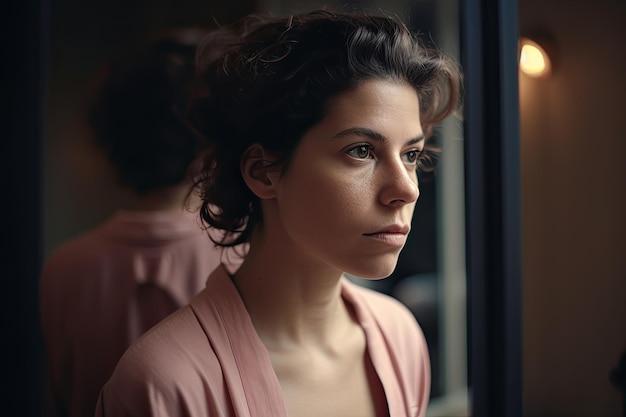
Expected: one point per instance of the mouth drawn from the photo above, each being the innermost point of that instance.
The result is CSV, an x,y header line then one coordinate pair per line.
x,y
394,235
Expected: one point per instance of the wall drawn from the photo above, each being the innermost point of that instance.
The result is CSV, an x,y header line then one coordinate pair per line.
x,y
574,210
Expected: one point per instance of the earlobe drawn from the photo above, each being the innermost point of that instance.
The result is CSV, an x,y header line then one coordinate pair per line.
x,y
256,171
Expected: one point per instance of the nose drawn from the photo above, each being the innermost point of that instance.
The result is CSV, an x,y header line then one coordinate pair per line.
x,y
399,184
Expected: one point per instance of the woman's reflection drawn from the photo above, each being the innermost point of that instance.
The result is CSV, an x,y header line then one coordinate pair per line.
x,y
102,290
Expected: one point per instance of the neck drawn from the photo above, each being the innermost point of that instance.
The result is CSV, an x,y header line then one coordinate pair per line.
x,y
167,198
293,300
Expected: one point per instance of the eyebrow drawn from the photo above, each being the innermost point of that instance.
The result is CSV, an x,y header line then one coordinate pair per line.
x,y
373,135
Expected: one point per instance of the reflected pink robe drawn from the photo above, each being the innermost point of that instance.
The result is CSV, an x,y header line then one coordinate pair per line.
x,y
207,360
101,291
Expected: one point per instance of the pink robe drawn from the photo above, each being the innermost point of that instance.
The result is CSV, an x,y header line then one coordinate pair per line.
x,y
207,360
101,291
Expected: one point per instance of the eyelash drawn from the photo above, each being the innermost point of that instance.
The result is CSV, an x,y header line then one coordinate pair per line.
x,y
369,148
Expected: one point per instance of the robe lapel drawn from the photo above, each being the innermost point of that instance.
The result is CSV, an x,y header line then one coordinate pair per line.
x,y
250,378
380,354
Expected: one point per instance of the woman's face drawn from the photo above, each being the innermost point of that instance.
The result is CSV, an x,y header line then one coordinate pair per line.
x,y
348,195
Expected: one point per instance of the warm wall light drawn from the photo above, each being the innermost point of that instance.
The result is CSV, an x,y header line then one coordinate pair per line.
x,y
534,60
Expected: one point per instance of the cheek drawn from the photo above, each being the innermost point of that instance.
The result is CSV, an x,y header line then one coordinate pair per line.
x,y
342,193
329,195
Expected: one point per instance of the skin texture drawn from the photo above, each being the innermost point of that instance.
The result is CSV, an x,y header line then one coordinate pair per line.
x,y
352,176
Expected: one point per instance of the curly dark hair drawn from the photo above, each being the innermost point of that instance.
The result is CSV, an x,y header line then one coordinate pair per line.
x,y
270,79
138,116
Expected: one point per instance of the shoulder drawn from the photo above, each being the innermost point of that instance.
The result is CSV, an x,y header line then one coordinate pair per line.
x,y
392,315
169,368
67,265
174,344
74,252
393,332
393,320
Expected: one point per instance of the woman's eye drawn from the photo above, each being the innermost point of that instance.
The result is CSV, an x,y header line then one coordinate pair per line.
x,y
412,156
360,152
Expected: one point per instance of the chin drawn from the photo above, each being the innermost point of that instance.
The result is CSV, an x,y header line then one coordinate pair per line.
x,y
373,269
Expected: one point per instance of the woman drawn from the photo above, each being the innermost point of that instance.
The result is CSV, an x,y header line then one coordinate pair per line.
x,y
319,123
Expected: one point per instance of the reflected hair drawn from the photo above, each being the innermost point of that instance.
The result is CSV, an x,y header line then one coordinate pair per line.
x,y
138,116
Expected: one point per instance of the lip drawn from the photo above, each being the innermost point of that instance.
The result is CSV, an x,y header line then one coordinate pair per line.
x,y
393,229
394,235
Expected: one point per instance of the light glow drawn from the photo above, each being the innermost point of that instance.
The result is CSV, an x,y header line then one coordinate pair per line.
x,y
534,60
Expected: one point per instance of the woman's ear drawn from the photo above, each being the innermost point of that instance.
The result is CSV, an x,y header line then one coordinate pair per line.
x,y
257,171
